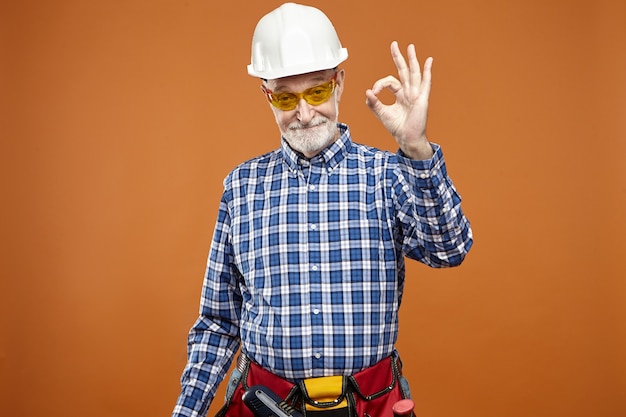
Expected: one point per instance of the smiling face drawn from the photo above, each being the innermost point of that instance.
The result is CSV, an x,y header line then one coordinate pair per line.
x,y
308,128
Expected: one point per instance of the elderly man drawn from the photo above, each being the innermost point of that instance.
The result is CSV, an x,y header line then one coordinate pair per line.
x,y
306,268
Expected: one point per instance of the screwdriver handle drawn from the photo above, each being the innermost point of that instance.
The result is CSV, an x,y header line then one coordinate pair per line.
x,y
403,408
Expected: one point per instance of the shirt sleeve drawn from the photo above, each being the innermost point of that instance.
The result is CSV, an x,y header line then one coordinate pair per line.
x,y
214,338
434,227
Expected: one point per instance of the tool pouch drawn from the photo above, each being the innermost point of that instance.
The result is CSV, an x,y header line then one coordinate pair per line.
x,y
368,393
253,374
375,390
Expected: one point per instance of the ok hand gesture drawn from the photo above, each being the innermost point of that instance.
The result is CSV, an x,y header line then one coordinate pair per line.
x,y
406,118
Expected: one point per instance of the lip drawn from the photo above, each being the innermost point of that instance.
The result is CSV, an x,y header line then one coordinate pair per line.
x,y
308,126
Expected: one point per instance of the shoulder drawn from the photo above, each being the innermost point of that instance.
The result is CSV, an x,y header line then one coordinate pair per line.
x,y
253,168
371,155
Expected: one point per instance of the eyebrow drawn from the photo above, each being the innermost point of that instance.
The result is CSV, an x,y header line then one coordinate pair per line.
x,y
317,79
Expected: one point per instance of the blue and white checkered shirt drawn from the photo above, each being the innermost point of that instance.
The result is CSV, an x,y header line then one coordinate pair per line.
x,y
306,267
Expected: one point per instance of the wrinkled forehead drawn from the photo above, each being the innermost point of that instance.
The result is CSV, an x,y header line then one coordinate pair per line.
x,y
300,81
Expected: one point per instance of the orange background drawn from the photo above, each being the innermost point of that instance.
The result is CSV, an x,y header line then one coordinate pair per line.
x,y
120,118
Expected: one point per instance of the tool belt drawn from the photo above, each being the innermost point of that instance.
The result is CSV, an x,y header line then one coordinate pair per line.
x,y
371,392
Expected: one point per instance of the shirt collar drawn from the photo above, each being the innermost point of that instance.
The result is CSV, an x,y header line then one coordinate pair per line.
x,y
332,155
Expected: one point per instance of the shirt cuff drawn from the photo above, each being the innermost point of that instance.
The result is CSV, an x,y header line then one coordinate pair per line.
x,y
428,172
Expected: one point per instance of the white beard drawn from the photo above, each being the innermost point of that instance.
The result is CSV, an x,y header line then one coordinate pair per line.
x,y
313,137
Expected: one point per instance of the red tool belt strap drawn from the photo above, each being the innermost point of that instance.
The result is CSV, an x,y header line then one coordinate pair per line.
x,y
371,392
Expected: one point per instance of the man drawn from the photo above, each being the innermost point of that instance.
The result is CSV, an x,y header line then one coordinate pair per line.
x,y
306,267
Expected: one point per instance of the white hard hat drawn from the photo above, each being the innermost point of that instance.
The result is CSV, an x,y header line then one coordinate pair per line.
x,y
294,39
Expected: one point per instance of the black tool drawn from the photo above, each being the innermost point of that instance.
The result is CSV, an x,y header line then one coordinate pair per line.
x,y
263,402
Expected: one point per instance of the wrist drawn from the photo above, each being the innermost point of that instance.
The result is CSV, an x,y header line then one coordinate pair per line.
x,y
421,150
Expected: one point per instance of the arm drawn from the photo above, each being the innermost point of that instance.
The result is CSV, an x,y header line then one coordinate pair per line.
x,y
214,338
435,230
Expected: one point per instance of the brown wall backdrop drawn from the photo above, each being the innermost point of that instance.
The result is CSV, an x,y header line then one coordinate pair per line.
x,y
120,118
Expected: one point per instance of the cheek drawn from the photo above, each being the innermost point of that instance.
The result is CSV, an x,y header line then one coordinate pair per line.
x,y
284,118
330,109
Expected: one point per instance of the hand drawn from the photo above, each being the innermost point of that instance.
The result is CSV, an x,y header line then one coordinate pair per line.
x,y
406,118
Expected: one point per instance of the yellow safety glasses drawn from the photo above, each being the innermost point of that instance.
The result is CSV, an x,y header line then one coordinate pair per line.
x,y
314,95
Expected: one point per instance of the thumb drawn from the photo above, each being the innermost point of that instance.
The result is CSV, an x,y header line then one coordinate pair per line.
x,y
372,101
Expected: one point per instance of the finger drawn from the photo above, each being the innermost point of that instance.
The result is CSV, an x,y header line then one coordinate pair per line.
x,y
414,66
427,77
401,66
388,82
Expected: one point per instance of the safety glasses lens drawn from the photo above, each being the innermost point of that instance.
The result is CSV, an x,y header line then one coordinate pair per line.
x,y
314,96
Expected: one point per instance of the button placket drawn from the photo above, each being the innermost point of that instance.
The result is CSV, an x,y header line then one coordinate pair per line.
x,y
317,173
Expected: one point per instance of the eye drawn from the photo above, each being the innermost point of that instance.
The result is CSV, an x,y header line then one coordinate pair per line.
x,y
318,94
285,97
317,91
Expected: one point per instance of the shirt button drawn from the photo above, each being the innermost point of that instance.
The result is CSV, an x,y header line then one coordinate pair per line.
x,y
316,311
312,187
318,355
314,267
423,176
313,226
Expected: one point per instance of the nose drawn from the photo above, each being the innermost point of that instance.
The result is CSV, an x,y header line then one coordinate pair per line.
x,y
305,112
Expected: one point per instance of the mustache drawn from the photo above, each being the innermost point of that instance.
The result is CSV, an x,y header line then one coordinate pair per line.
x,y
317,121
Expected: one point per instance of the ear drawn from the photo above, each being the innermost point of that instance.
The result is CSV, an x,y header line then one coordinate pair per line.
x,y
265,93
340,79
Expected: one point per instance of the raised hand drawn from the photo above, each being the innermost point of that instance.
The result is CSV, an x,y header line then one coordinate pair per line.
x,y
406,118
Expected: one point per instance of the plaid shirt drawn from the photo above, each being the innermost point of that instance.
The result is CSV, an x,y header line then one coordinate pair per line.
x,y
306,267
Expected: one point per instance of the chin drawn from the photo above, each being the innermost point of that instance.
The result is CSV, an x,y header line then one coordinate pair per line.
x,y
309,146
